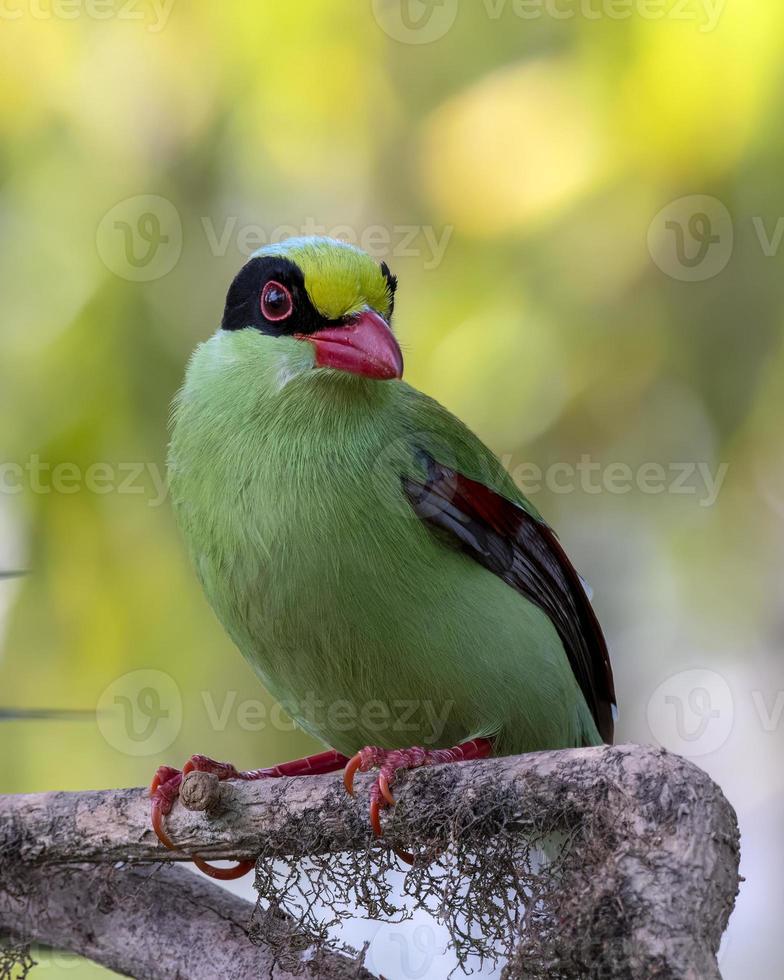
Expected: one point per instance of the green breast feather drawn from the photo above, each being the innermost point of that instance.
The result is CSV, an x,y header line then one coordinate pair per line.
x,y
368,625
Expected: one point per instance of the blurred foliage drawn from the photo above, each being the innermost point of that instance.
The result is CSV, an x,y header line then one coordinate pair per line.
x,y
539,151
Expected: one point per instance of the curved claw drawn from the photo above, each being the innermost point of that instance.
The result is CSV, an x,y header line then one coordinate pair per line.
x,y
156,819
223,874
375,816
375,813
350,771
386,792
163,788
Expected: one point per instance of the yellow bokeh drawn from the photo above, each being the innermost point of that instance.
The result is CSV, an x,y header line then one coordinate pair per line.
x,y
516,147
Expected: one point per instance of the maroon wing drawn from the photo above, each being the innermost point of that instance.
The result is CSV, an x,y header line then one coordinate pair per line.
x,y
526,554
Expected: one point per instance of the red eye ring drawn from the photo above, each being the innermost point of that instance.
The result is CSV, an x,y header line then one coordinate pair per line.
x,y
275,301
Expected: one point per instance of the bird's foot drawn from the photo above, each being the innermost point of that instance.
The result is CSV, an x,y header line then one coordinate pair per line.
x,y
165,788
390,761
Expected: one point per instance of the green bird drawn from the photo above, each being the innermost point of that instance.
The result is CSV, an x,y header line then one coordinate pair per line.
x,y
366,552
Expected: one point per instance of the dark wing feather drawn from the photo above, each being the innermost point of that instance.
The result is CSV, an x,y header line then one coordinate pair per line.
x,y
526,554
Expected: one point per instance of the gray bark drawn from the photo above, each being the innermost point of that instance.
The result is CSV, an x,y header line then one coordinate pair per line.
x,y
651,899
150,923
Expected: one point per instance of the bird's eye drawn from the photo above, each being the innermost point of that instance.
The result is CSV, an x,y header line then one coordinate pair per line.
x,y
276,301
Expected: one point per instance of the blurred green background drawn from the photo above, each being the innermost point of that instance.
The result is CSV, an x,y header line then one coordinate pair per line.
x,y
584,205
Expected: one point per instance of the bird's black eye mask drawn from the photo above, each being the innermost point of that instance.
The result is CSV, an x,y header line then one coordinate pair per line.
x,y
268,294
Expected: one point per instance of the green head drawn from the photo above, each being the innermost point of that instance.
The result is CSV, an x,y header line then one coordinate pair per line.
x,y
314,303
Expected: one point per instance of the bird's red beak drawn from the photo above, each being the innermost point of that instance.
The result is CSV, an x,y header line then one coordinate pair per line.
x,y
365,345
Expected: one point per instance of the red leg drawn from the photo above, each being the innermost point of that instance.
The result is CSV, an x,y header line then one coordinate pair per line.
x,y
165,789
389,761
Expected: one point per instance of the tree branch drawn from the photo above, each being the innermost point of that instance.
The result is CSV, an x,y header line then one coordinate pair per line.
x,y
148,923
662,885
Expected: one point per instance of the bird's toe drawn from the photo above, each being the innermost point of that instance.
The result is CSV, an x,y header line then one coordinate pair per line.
x,y
164,789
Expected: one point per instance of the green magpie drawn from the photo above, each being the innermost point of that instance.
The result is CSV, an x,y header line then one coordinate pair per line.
x,y
366,552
